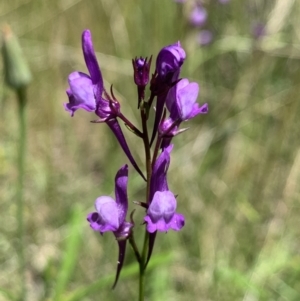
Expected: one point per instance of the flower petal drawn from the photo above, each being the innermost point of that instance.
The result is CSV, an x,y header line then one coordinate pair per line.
x,y
186,97
92,63
80,93
159,174
177,222
90,57
163,205
121,192
161,214
181,99
198,110
107,209
93,220
169,61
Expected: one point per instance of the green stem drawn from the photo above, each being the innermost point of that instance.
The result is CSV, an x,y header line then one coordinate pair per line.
x,y
21,94
147,151
134,247
149,172
156,149
130,125
143,268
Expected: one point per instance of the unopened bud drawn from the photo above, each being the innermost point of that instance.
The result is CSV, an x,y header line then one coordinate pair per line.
x,y
141,68
17,73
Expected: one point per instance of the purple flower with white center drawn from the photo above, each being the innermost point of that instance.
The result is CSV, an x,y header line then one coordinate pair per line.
x,y
86,92
204,37
161,213
198,16
110,215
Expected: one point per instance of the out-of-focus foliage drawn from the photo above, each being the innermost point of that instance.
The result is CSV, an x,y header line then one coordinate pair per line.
x,y
236,171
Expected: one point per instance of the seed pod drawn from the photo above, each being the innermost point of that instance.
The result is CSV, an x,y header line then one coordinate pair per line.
x,y
17,73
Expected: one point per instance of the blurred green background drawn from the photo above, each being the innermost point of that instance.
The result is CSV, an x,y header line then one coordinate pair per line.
x,y
236,170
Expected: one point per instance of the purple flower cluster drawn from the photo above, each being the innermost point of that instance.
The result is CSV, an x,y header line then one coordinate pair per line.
x,y
197,18
174,95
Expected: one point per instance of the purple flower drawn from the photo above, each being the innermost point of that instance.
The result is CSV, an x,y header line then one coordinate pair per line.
x,y
198,16
161,213
182,105
168,64
204,37
86,92
181,101
110,215
85,88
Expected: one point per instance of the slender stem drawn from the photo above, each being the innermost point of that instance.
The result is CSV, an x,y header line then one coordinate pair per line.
x,y
146,237
134,247
21,94
147,151
130,125
152,95
156,149
143,268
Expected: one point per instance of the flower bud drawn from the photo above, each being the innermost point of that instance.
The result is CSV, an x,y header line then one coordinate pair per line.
x,y
17,73
141,69
168,63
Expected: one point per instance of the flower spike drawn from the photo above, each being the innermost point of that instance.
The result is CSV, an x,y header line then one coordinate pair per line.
x,y
176,102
